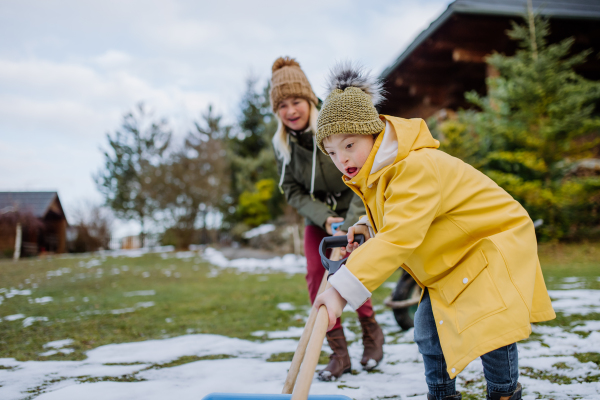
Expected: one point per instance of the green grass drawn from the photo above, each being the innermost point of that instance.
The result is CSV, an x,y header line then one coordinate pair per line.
x,y
287,356
561,261
187,300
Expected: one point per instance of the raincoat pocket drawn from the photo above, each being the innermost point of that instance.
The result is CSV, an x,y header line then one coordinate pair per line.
x,y
472,292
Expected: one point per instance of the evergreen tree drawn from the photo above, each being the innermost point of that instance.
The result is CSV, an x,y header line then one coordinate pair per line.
x,y
195,180
536,121
128,177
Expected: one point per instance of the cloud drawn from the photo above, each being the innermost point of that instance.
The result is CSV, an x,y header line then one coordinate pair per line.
x,y
70,69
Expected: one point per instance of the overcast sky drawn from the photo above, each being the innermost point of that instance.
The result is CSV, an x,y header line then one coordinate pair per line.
x,y
69,70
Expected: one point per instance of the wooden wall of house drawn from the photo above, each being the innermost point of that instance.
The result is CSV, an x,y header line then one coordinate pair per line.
x,y
451,61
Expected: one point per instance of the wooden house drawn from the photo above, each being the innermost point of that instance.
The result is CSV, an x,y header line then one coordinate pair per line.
x,y
42,218
448,58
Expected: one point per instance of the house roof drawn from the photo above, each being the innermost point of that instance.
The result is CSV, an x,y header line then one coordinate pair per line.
x,y
37,203
574,9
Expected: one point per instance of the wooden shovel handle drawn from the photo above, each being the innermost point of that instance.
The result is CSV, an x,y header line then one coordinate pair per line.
x,y
290,380
313,351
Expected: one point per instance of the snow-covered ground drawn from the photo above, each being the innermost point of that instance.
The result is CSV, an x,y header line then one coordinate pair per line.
x,y
247,371
137,370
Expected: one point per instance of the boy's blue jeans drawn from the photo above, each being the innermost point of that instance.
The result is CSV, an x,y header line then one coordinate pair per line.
x,y
500,367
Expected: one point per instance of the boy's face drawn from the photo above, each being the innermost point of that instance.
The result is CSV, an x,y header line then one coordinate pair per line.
x,y
349,152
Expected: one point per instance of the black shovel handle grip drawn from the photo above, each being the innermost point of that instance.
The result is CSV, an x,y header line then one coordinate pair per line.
x,y
331,242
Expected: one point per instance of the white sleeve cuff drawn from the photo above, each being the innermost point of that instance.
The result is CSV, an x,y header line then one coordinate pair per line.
x,y
349,287
365,221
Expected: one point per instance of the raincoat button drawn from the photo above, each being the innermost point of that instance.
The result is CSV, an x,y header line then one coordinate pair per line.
x,y
453,370
370,186
465,280
441,322
354,183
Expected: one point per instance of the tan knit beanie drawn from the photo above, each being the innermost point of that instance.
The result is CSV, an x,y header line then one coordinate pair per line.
x,y
350,104
289,80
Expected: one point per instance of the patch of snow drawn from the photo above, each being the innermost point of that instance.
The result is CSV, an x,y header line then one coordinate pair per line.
x,y
41,300
291,332
144,304
140,293
13,317
579,301
286,306
30,320
57,344
588,326
48,353
58,272
16,292
348,308
91,264
53,352
134,253
185,254
390,285
289,263
259,230
571,279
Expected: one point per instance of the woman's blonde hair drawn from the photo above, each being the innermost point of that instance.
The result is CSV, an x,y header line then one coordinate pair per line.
x,y
280,139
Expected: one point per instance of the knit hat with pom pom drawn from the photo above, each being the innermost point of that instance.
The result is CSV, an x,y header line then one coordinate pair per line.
x,y
349,108
288,80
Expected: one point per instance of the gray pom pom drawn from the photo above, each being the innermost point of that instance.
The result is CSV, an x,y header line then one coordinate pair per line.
x,y
346,74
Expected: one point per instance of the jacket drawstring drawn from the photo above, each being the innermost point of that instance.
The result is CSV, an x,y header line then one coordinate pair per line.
x,y
331,201
314,164
283,168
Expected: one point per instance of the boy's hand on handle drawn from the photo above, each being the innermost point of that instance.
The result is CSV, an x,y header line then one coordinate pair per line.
x,y
356,230
335,304
331,220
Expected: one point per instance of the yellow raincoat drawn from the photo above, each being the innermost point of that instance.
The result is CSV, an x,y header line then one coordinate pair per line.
x,y
457,233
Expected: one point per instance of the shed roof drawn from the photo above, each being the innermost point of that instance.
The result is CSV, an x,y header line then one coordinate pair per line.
x,y
574,9
38,203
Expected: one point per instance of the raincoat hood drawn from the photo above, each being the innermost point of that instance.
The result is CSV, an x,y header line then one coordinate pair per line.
x,y
394,144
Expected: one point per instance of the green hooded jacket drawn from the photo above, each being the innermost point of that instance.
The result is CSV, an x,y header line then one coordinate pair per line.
x,y
311,169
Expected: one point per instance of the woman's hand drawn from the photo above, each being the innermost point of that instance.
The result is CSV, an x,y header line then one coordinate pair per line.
x,y
356,230
331,220
334,303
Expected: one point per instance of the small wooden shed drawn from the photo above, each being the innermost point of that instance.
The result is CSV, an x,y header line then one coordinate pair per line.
x,y
448,58
44,224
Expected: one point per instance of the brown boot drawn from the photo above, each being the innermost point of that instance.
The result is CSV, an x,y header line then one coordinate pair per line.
x,y
339,361
373,341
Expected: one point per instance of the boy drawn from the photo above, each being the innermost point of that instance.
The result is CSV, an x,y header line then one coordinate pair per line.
x,y
466,242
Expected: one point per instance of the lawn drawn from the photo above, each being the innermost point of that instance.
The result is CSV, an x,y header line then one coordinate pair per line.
x,y
99,300
102,300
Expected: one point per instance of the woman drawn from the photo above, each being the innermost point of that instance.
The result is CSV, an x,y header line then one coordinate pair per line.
x,y
314,187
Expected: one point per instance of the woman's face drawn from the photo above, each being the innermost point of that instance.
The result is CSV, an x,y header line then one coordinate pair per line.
x,y
294,112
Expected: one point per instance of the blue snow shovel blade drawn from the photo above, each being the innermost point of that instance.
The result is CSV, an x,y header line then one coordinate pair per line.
x,y
247,396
